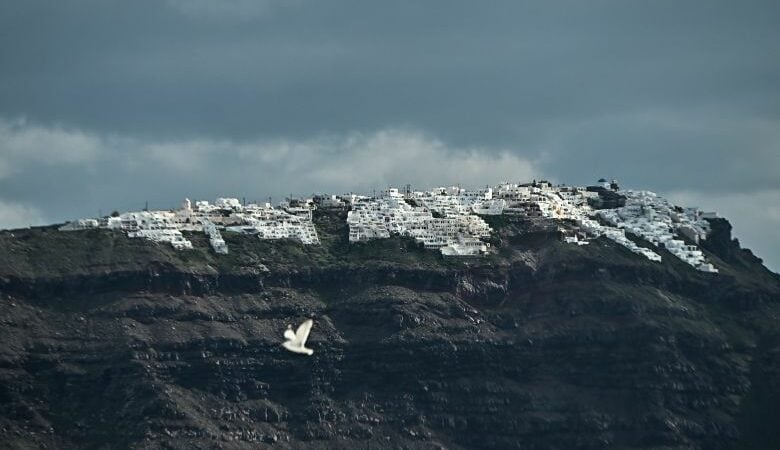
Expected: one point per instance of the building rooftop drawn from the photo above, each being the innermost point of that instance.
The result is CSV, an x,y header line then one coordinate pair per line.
x,y
448,219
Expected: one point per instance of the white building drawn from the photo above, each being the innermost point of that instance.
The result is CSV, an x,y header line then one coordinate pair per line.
x,y
445,218
456,230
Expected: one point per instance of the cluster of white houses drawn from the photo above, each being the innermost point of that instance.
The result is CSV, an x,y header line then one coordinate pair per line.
x,y
447,218
653,218
455,231
228,214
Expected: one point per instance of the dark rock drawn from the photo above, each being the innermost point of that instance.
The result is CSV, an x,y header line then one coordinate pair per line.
x,y
115,343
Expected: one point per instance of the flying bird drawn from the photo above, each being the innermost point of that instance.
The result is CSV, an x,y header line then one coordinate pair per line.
x,y
296,341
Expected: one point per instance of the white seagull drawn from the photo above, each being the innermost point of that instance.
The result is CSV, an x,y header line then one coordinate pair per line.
x,y
295,341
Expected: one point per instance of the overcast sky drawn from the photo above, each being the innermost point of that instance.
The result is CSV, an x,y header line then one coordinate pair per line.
x,y
106,104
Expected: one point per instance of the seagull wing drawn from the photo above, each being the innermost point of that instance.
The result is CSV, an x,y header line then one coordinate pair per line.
x,y
302,333
289,334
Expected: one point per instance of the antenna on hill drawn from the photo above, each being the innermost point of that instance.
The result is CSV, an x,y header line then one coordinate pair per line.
x,y
243,200
146,205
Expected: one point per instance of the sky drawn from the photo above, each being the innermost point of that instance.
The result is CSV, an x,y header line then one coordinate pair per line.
x,y
106,105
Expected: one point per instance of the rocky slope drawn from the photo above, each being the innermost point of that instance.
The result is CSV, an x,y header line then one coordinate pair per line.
x,y
108,342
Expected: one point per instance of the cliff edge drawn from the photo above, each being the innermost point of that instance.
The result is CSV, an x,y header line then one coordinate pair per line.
x,y
113,342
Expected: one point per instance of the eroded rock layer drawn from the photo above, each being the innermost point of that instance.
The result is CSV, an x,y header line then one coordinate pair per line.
x,y
109,342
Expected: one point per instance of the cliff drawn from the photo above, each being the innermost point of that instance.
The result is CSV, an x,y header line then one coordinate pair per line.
x,y
114,342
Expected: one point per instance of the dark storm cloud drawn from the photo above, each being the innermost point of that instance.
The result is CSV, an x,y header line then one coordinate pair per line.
x,y
673,96
334,66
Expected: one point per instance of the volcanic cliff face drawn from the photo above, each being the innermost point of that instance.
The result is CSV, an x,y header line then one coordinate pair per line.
x,y
109,342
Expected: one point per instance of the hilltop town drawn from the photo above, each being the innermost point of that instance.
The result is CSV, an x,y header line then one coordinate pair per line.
x,y
448,219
